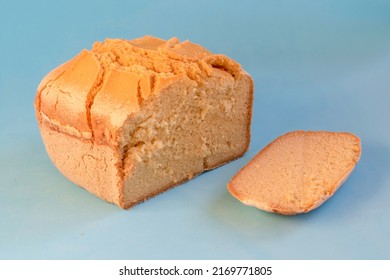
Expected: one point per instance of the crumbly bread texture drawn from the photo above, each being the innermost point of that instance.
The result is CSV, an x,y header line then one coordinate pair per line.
x,y
297,172
130,119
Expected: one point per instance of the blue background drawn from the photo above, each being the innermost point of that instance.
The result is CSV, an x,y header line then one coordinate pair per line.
x,y
317,65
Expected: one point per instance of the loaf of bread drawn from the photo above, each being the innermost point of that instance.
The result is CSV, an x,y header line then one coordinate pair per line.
x,y
297,172
130,119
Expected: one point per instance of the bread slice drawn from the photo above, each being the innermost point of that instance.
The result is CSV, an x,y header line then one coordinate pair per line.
x,y
130,119
297,172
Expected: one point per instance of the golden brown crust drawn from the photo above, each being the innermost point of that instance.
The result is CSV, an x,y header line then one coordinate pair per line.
x,y
70,92
94,95
65,94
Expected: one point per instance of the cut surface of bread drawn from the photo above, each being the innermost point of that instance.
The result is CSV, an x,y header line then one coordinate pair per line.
x,y
130,119
297,172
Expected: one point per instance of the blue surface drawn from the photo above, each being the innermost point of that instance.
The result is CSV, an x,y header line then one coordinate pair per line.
x,y
319,65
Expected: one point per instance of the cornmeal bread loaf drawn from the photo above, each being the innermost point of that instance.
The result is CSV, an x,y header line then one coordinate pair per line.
x,y
297,172
130,119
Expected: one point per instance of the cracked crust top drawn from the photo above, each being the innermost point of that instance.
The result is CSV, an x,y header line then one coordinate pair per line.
x,y
130,119
91,95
